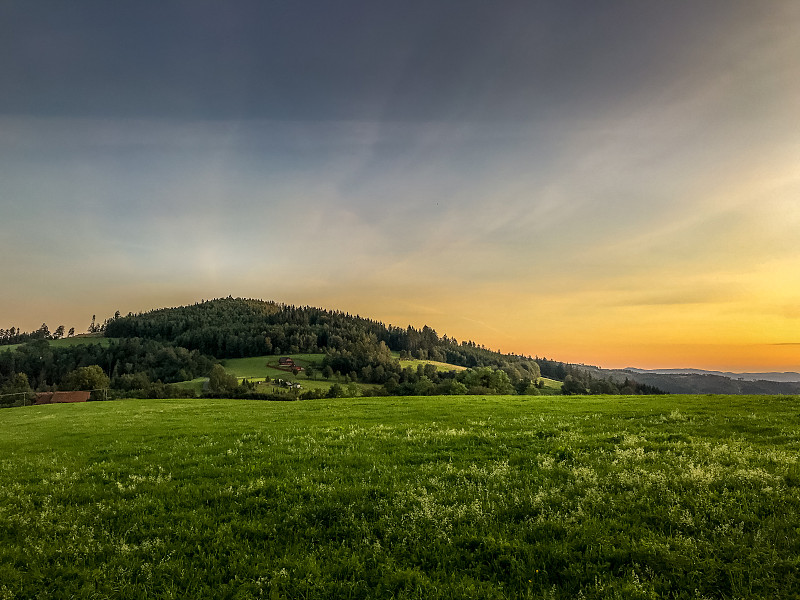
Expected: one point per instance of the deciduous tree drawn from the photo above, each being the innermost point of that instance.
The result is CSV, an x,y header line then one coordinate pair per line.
x,y
220,381
85,378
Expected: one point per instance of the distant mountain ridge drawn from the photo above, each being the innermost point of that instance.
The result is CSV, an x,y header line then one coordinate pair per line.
x,y
699,381
786,376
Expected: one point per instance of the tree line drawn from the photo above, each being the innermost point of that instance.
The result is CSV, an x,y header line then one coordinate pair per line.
x,y
126,364
13,335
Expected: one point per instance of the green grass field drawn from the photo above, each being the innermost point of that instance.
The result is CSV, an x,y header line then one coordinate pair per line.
x,y
440,366
195,384
255,368
435,497
67,342
551,386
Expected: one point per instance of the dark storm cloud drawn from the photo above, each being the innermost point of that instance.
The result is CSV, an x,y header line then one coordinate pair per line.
x,y
336,60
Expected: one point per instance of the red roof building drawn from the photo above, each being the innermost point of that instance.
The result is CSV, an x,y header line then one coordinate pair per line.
x,y
61,397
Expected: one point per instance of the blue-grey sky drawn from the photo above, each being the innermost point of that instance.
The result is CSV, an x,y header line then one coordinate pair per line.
x,y
319,61
609,182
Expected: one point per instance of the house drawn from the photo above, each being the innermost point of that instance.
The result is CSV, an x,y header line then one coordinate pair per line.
x,y
288,364
61,397
288,384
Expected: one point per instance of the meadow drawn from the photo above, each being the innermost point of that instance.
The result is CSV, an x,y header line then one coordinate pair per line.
x,y
67,342
434,497
415,362
256,368
551,386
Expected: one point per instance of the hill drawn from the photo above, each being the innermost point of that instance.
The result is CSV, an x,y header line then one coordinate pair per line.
x,y
353,346
691,381
136,352
240,327
143,354
786,376
401,359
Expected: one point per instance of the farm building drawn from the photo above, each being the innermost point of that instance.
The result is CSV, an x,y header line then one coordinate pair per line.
x,y
292,385
288,364
61,397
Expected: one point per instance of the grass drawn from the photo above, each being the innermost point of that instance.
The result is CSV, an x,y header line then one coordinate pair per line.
x,y
80,340
440,366
195,384
551,386
256,368
436,497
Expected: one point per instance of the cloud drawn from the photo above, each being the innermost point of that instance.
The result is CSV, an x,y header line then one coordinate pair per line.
x,y
681,297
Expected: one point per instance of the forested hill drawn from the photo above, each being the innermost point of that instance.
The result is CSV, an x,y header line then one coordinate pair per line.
x,y
147,352
237,327
170,345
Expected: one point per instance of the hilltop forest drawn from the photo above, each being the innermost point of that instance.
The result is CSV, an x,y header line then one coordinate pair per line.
x,y
147,352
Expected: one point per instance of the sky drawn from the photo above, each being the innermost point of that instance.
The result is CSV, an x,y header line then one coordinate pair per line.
x,y
609,183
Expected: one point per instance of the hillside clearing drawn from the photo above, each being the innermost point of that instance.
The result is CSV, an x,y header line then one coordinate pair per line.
x,y
78,340
261,366
257,368
415,362
551,386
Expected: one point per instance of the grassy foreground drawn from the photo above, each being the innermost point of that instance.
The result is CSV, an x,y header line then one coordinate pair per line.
x,y
436,497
